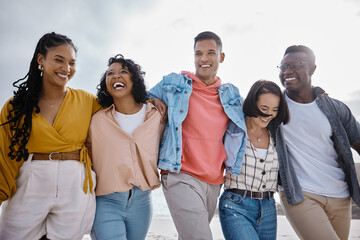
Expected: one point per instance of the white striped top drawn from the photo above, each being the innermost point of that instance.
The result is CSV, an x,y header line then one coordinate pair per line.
x,y
258,174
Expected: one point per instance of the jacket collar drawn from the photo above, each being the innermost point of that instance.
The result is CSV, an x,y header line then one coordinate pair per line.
x,y
318,91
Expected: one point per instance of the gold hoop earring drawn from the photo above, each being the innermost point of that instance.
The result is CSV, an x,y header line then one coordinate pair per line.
x,y
40,67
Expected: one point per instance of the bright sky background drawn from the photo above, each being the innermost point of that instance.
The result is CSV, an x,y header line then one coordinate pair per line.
x,y
159,35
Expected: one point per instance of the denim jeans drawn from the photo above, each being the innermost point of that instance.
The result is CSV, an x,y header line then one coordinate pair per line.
x,y
123,215
247,218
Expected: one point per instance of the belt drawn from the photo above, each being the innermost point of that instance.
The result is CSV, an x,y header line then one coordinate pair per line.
x,y
254,195
57,156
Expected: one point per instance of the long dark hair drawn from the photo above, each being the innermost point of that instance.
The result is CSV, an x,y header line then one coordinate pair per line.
x,y
26,97
139,87
260,87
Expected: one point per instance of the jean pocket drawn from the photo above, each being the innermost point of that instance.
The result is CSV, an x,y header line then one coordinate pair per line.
x,y
235,102
173,89
233,197
230,203
23,175
272,201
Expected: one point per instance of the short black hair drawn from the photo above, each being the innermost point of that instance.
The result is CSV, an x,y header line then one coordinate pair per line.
x,y
260,87
303,49
208,35
139,87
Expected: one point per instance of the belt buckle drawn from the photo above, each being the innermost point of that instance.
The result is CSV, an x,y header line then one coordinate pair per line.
x,y
258,198
50,155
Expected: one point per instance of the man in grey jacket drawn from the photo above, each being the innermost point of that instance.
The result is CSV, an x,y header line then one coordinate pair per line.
x,y
317,171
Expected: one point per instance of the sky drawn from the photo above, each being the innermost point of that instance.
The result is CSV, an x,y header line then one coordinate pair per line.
x,y
159,35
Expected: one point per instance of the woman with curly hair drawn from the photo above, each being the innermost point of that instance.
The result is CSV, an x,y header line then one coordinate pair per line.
x,y
124,143
46,181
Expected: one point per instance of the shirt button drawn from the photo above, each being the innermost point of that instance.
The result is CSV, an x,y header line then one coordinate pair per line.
x,y
181,111
185,92
175,168
177,149
176,128
263,186
262,160
263,172
182,156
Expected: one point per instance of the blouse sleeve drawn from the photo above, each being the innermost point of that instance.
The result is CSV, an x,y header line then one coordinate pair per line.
x,y
96,105
9,168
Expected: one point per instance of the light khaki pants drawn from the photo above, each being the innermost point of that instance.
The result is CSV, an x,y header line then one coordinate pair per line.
x,y
192,204
319,217
49,201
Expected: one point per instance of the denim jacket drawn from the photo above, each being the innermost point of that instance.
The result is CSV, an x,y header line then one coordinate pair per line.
x,y
174,90
346,132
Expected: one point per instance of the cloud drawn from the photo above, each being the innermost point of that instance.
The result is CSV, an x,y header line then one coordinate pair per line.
x,y
354,106
159,36
94,26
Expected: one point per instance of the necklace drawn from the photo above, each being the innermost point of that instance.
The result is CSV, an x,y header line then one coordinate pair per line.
x,y
52,105
258,138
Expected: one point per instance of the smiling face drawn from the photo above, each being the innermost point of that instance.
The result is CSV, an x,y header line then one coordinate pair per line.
x,y
59,65
118,81
208,56
268,103
298,77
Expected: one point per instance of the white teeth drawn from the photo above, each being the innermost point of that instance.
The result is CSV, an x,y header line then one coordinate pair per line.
x,y
289,79
265,120
62,75
207,65
118,85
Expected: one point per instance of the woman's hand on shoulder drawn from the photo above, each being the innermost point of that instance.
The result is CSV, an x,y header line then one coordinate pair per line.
x,y
161,106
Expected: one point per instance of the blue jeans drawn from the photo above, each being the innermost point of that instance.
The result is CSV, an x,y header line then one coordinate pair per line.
x,y
123,215
247,218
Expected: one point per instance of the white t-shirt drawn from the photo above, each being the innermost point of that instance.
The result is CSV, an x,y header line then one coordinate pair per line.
x,y
311,150
262,152
129,122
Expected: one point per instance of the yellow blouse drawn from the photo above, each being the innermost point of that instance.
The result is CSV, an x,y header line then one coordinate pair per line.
x,y
68,133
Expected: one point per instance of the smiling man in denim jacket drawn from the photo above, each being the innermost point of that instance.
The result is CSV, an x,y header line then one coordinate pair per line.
x,y
205,133
317,170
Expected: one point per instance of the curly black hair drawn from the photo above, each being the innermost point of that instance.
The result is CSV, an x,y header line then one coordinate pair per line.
x,y
139,87
26,97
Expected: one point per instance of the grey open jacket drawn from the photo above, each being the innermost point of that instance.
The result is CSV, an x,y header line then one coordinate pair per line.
x,y
346,132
